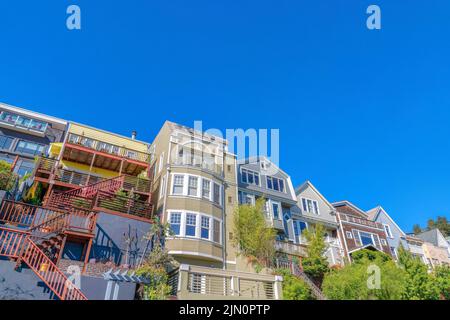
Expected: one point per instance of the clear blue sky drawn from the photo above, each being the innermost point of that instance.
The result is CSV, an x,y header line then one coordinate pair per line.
x,y
362,114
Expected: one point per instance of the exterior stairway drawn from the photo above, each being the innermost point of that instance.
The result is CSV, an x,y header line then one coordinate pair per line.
x,y
295,270
19,245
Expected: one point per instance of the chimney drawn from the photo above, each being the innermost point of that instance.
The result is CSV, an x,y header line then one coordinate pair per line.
x,y
133,134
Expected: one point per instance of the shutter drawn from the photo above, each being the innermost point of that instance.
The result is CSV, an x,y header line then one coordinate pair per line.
x,y
356,237
291,233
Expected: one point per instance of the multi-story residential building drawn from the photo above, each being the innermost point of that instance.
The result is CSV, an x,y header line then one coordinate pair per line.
x,y
357,231
435,247
394,234
25,135
258,177
89,155
312,209
195,192
415,246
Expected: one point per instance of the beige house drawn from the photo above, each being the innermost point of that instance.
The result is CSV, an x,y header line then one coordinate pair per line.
x,y
436,256
195,192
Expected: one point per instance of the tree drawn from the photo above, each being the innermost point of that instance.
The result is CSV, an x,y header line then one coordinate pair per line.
x,y
294,288
253,237
156,269
417,229
419,284
8,178
442,278
352,281
315,264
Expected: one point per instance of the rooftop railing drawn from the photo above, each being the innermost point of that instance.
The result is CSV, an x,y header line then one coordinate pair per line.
x,y
97,145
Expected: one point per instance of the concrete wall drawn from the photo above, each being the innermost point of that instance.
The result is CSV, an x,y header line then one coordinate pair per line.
x,y
109,242
96,289
22,284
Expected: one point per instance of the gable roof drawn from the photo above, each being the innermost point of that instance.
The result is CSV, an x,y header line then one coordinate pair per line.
x,y
351,205
431,236
258,159
307,184
374,213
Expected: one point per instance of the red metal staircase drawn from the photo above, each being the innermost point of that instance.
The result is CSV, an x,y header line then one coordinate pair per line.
x,y
18,244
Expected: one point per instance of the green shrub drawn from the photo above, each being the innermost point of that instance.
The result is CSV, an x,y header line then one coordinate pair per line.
x,y
294,288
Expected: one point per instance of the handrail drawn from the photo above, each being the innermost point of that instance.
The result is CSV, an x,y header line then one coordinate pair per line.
x,y
17,212
123,204
18,244
295,270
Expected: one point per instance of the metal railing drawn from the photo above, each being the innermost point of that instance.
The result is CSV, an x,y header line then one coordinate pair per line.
x,y
76,178
361,221
297,271
123,204
205,283
17,244
46,164
90,142
290,248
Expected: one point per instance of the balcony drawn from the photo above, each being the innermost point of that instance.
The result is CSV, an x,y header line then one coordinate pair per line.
x,y
198,163
290,248
103,147
22,123
201,283
364,222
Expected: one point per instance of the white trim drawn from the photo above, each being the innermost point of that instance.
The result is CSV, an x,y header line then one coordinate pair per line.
x,y
312,201
197,235
390,235
347,233
195,253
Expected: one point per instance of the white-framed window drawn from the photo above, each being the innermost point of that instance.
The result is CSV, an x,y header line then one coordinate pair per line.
x,y
193,186
191,225
205,227
188,224
310,206
162,189
196,186
161,162
217,231
276,209
246,198
349,235
178,184
216,194
387,229
175,223
249,177
299,226
383,242
206,189
275,183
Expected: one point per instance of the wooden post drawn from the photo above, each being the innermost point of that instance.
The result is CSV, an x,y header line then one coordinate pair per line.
x,y
61,250
14,163
90,169
86,255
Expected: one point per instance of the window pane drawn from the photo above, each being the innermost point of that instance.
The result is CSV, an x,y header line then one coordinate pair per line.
x,y
191,222
269,183
216,235
206,189
5,142
275,210
193,182
304,204
275,184
250,178
178,184
244,176
205,228
175,220
281,185
316,208
366,238
257,179
216,193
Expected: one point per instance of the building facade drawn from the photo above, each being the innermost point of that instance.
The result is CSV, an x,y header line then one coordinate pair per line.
x,y
313,208
25,134
394,234
357,231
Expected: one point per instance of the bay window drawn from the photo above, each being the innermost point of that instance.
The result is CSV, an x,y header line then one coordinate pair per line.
x,y
192,186
191,224
206,189
275,184
178,184
204,233
175,223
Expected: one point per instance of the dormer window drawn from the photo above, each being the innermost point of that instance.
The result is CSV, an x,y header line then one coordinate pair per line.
x,y
264,165
250,177
275,184
310,206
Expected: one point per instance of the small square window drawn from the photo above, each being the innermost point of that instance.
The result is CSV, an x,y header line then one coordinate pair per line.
x,y
349,235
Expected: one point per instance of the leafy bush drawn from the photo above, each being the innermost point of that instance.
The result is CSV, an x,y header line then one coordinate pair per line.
x,y
253,237
294,288
315,264
8,178
442,277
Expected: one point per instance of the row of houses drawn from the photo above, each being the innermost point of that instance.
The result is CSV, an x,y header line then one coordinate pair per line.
x,y
100,192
